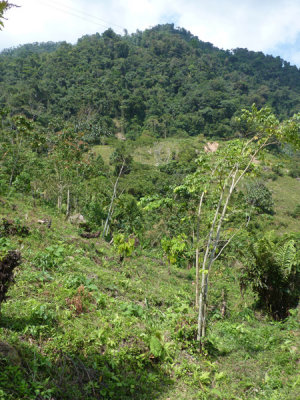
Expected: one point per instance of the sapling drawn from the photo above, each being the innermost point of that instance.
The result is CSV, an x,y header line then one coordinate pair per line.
x,y
218,176
123,246
174,248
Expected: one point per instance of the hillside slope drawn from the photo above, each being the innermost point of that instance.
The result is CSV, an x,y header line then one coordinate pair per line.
x,y
89,327
117,128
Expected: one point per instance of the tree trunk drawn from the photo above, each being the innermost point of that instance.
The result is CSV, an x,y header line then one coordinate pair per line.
x,y
197,277
209,257
68,204
201,314
59,198
114,195
197,248
13,172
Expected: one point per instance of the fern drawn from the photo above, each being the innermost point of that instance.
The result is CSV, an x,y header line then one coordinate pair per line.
x,y
274,272
156,347
286,257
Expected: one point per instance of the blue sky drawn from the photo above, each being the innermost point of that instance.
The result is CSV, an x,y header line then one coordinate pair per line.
x,y
271,26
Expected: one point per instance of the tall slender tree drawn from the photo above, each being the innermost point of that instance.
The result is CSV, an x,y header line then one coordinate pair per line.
x,y
216,180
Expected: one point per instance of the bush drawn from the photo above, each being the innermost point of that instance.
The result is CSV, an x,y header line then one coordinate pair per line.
x,y
51,258
294,172
277,169
94,212
296,212
123,246
260,197
175,249
127,215
273,271
121,159
3,186
22,182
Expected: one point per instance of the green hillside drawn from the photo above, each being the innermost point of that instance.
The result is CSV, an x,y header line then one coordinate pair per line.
x,y
161,82
87,319
149,220
286,194
89,327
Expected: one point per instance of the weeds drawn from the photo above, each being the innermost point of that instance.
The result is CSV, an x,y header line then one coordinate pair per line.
x,y
90,331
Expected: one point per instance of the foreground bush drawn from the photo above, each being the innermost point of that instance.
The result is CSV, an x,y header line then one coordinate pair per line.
x,y
274,273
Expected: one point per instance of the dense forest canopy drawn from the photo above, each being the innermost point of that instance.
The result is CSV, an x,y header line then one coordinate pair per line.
x,y
161,82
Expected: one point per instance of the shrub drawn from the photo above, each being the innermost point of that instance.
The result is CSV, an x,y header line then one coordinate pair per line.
x,y
296,212
294,172
121,159
3,185
22,182
273,271
123,246
52,257
13,227
260,197
175,248
127,215
277,169
94,212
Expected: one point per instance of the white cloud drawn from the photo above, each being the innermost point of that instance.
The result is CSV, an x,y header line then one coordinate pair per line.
x,y
256,24
252,24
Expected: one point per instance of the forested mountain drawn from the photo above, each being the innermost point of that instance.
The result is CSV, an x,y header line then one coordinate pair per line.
x,y
163,82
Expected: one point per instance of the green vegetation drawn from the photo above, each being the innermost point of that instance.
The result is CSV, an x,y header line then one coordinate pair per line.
x,y
124,247
174,248
274,274
260,197
285,192
87,327
4,6
160,83
149,263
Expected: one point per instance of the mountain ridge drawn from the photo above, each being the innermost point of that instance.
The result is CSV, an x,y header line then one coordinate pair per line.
x,y
162,81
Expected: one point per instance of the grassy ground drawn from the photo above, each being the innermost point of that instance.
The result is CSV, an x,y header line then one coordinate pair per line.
x,y
285,190
154,152
89,327
162,151
286,195
105,151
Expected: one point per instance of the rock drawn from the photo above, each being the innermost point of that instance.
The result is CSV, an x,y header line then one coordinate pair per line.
x,y
77,219
10,353
90,235
211,147
45,221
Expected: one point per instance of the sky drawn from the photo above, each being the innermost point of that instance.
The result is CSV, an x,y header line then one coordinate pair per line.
x,y
270,26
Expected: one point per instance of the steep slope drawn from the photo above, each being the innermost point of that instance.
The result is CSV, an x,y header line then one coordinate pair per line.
x,y
86,326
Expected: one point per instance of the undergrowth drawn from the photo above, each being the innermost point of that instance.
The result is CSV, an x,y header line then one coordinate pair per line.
x,y
89,327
